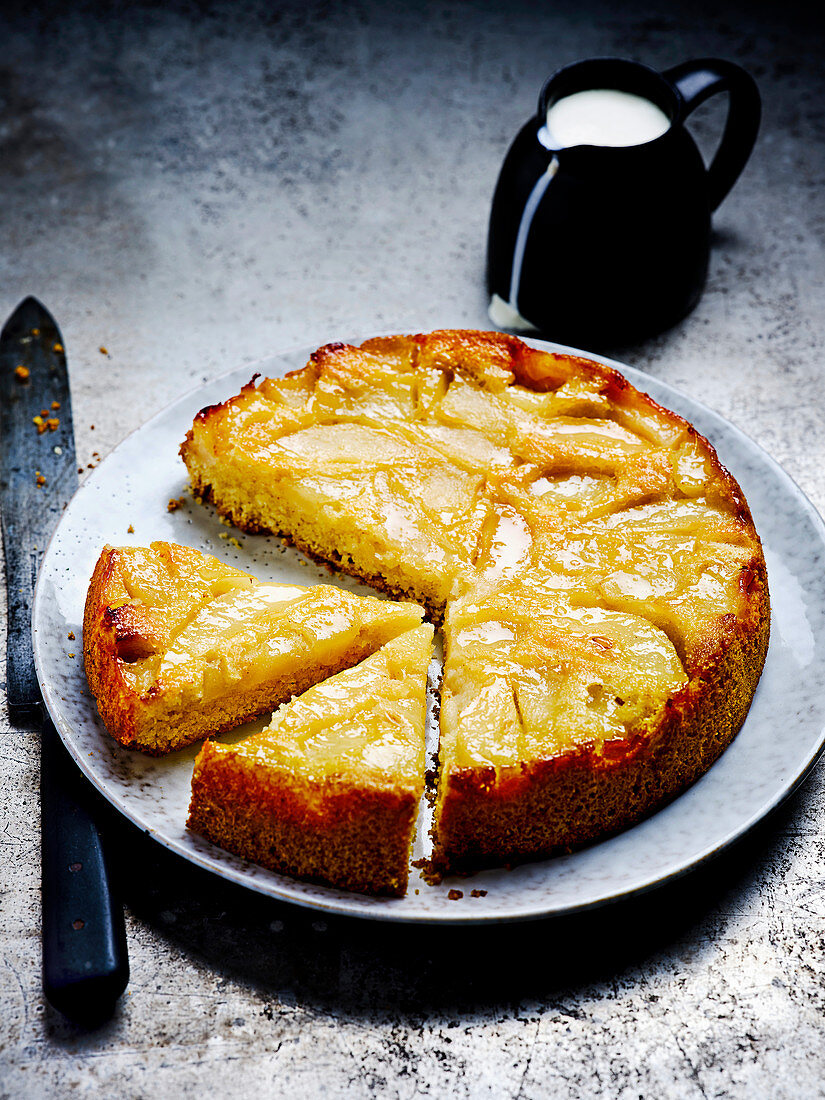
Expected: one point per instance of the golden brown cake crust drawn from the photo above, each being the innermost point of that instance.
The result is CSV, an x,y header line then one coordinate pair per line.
x,y
348,837
113,632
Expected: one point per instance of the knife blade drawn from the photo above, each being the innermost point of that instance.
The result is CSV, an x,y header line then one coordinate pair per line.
x,y
85,964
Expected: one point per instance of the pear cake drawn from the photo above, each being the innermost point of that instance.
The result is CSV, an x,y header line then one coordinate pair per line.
x,y
178,645
330,790
600,583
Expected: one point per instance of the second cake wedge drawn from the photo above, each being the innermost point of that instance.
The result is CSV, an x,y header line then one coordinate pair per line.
x,y
178,645
329,791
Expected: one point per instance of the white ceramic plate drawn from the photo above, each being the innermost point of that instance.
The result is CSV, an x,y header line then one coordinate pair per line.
x,y
777,746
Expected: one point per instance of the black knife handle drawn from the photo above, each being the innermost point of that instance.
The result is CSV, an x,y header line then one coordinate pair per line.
x,y
85,962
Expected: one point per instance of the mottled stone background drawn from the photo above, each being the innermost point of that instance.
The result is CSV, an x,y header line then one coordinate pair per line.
x,y
194,186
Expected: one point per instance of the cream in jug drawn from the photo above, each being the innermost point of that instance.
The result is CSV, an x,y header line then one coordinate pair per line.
x,y
605,116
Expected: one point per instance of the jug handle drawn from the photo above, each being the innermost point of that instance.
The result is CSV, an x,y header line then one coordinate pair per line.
x,y
697,81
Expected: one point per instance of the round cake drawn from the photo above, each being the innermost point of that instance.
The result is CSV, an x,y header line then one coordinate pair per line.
x,y
596,571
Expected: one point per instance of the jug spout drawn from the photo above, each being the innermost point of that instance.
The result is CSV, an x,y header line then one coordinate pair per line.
x,y
505,315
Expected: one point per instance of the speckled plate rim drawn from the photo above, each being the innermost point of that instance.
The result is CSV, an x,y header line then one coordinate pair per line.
x,y
710,816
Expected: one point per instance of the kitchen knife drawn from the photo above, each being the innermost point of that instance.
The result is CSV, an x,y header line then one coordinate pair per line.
x,y
85,966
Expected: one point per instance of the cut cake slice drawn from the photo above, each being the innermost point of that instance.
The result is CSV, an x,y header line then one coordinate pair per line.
x,y
541,700
178,645
330,790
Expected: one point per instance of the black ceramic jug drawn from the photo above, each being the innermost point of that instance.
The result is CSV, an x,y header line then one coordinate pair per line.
x,y
603,245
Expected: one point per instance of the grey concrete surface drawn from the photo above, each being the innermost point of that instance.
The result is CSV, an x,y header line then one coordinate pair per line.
x,y
194,186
